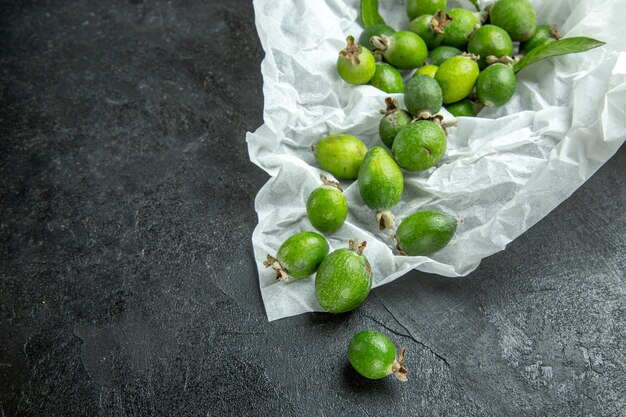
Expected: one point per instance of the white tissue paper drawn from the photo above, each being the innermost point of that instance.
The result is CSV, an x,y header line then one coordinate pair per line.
x,y
502,172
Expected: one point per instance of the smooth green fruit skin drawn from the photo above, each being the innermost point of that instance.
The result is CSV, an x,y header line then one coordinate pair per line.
x,y
341,155
429,70
391,124
517,17
542,36
374,30
302,254
458,31
405,50
372,354
421,27
496,85
463,108
343,281
416,8
423,94
387,79
457,77
327,209
419,146
490,40
380,181
360,73
441,54
425,232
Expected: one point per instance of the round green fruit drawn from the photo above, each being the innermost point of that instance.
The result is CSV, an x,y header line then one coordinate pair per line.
x,y
490,40
356,65
496,85
374,30
516,17
429,29
403,49
423,96
416,8
327,208
344,279
457,77
419,146
341,155
441,54
373,356
429,70
463,108
393,120
458,31
387,79
543,34
425,232
299,257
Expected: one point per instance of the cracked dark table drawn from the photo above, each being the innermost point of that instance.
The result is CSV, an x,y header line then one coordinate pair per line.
x,y
128,282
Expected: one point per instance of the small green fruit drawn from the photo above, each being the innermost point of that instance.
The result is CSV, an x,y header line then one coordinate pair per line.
x,y
393,121
429,70
423,96
381,184
299,257
374,30
457,77
490,40
517,17
543,34
416,8
441,54
496,85
458,31
425,232
430,28
373,355
356,65
327,207
403,50
419,146
344,279
341,155
387,79
463,108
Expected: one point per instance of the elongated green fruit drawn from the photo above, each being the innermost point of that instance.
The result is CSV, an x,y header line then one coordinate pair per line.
x,y
425,232
299,256
381,184
340,154
373,355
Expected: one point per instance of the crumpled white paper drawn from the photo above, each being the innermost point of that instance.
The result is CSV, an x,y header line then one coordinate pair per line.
x,y
502,172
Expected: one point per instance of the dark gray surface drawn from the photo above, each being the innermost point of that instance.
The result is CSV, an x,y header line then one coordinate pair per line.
x,y
128,283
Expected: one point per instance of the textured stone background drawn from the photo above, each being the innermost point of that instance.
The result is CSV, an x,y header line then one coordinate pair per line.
x,y
128,283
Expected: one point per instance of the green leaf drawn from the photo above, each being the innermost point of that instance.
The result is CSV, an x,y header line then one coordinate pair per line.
x,y
369,13
560,47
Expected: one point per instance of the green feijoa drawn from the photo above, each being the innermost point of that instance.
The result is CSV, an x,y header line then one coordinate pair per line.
x,y
543,34
490,40
425,232
403,49
393,120
374,30
517,17
442,53
327,207
423,96
387,79
462,108
344,279
419,146
356,65
429,70
340,154
457,77
299,257
430,28
416,8
373,355
381,184
463,23
496,85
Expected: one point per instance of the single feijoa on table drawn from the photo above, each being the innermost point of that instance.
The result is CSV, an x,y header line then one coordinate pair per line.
x,y
344,279
356,65
340,154
327,207
299,257
381,184
429,70
403,49
516,17
543,34
430,28
416,8
423,96
374,30
419,146
462,108
496,85
457,77
442,53
394,119
387,79
490,41
374,356
425,232
458,30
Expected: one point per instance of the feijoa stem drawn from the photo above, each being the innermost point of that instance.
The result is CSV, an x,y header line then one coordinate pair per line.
x,y
381,43
385,219
357,247
331,183
394,241
492,59
392,106
439,21
398,370
471,56
555,33
281,274
351,51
